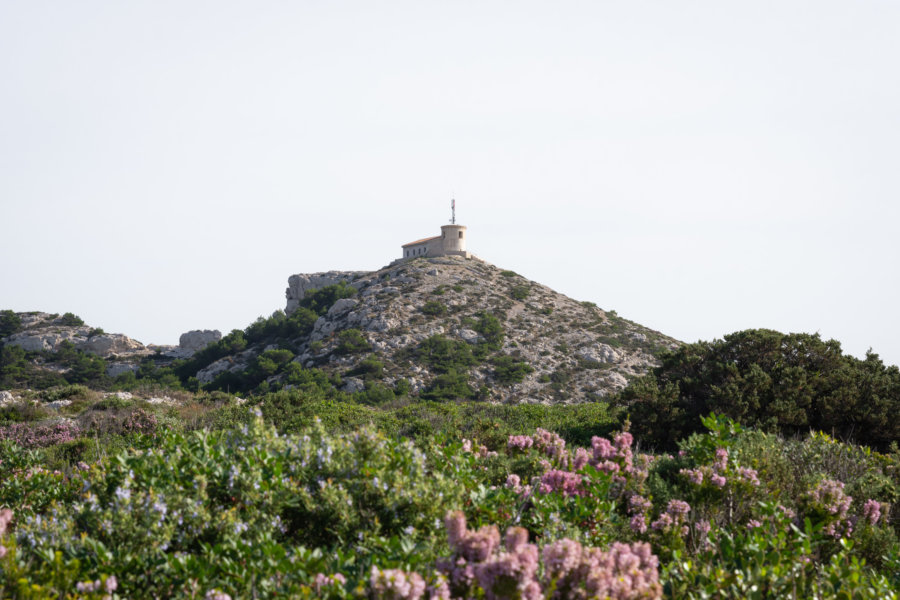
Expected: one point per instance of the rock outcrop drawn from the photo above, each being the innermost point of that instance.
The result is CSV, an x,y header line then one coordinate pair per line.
x,y
198,339
300,284
44,332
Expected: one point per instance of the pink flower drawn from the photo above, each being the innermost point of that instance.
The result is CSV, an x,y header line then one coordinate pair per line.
x,y
394,584
753,524
519,442
561,557
638,523
718,480
561,481
721,463
872,511
695,476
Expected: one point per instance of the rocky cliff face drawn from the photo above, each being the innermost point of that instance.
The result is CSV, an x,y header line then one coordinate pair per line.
x,y
577,351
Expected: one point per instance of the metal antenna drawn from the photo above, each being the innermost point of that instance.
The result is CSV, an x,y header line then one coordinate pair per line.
x,y
453,208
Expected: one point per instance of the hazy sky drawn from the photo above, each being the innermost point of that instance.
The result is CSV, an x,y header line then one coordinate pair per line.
x,y
701,167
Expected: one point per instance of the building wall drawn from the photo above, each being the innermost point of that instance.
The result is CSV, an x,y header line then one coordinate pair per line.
x,y
453,238
452,241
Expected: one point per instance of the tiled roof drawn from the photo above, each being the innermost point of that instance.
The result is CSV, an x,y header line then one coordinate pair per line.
x,y
423,240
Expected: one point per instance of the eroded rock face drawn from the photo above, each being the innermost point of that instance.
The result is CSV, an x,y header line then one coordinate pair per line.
x,y
108,343
6,398
300,284
198,339
44,332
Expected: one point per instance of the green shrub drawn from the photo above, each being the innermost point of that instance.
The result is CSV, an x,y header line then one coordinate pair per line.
x,y
434,308
508,274
449,385
520,292
352,341
508,370
369,368
10,323
320,300
71,320
443,355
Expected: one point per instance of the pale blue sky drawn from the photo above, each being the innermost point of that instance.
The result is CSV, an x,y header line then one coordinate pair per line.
x,y
701,167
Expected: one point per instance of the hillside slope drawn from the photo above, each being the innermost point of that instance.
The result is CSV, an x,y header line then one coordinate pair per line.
x,y
446,324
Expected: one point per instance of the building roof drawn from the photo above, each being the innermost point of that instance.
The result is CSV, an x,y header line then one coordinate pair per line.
x,y
422,241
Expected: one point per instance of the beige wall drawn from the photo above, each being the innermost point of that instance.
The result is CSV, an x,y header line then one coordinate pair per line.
x,y
452,241
454,238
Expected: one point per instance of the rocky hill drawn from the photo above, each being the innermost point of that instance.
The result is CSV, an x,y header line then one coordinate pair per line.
x,y
438,328
460,321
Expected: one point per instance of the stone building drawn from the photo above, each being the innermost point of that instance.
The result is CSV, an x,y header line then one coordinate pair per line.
x,y
451,242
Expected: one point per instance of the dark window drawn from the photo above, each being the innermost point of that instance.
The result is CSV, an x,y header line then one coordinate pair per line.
x,y
460,235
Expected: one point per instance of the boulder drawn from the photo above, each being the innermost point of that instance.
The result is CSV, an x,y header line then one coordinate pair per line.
x,y
108,343
198,339
341,306
215,369
601,354
469,336
40,341
6,398
299,285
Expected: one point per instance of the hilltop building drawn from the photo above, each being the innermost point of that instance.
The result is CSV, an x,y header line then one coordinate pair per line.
x,y
451,242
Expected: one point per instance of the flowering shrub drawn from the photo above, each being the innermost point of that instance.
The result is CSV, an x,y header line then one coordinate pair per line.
x,y
250,513
564,569
28,435
827,504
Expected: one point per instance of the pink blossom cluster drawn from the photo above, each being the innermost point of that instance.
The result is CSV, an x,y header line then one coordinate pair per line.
x,y
872,512
674,518
40,436
215,594
830,501
570,570
613,457
395,584
520,442
322,581
624,572
639,507
6,517
514,483
551,445
565,482
716,474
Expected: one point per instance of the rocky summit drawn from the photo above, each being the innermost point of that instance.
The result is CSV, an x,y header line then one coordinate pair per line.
x,y
523,342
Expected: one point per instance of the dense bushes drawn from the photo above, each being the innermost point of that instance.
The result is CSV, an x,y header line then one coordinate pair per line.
x,y
778,382
322,514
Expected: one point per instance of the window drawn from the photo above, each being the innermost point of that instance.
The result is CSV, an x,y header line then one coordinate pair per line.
x,y
460,235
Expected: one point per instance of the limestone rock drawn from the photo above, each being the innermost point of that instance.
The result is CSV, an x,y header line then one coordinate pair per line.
x,y
6,398
217,368
467,335
40,341
198,339
341,306
601,354
300,284
108,343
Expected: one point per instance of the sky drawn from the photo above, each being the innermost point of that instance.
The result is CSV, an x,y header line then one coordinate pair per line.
x,y
701,167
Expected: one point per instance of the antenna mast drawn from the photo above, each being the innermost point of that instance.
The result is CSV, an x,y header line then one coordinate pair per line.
x,y
453,209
